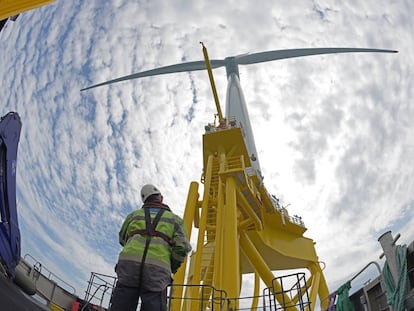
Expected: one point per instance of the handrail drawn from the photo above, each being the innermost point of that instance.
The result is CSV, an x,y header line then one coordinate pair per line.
x,y
358,274
49,277
217,297
363,269
100,282
88,302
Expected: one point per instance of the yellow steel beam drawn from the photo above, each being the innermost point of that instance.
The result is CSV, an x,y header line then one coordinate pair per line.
x,y
316,277
194,293
247,208
218,262
230,246
10,8
256,290
262,268
323,290
189,212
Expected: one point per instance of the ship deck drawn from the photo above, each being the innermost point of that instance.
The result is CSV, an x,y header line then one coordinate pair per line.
x,y
13,299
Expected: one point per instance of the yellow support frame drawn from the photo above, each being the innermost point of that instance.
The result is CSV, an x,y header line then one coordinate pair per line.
x,y
240,230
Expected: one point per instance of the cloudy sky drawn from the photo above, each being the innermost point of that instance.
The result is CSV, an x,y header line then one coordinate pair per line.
x,y
334,133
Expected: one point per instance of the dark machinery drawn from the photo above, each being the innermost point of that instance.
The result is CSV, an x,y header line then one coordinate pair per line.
x,y
10,127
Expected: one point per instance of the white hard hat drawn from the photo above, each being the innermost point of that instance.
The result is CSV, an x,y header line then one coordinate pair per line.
x,y
148,190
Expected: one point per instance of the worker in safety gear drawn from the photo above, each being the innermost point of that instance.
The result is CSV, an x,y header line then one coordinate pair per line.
x,y
155,245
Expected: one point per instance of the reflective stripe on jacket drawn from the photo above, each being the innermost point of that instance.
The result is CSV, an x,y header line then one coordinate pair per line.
x,y
161,250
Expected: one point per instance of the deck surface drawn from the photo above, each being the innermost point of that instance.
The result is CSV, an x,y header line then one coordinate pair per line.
x,y
13,299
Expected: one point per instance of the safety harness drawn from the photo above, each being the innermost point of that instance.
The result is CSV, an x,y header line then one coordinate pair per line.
x,y
149,232
154,232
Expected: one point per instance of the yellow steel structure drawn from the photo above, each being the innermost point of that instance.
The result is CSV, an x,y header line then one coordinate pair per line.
x,y
10,8
241,229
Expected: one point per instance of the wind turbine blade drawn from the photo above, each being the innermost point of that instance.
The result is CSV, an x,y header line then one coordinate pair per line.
x,y
189,66
282,54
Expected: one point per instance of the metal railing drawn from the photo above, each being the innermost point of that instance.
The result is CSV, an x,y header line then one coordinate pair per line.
x,y
209,298
296,290
332,297
99,289
37,265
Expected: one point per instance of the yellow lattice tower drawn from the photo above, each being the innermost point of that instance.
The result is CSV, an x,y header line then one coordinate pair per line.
x,y
241,229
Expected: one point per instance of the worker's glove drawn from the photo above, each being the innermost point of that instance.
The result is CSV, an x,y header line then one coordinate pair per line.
x,y
175,265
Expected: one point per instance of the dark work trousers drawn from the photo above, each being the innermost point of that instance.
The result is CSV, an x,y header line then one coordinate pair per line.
x,y
126,299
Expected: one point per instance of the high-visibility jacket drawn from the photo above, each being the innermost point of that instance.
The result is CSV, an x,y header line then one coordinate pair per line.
x,y
168,246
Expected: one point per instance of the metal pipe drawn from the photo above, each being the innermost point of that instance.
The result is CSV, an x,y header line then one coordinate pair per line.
x,y
362,270
388,245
